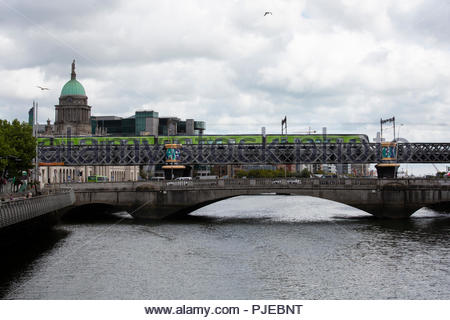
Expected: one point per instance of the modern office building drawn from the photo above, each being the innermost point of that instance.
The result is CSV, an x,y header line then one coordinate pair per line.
x,y
145,123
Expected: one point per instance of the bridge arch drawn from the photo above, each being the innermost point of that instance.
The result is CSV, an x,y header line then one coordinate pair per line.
x,y
177,202
289,197
379,211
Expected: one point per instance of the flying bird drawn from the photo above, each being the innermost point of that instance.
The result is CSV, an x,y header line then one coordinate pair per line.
x,y
267,12
42,88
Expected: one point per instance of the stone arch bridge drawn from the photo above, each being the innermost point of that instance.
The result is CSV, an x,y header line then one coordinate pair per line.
x,y
384,198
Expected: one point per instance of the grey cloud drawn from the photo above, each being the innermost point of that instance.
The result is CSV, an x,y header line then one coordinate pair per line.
x,y
429,22
63,14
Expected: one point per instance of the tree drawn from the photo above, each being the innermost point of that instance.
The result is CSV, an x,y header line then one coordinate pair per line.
x,y
440,174
17,147
305,173
143,174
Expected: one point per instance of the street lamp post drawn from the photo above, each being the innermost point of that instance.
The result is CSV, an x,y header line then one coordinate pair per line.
x,y
284,126
398,133
36,134
36,129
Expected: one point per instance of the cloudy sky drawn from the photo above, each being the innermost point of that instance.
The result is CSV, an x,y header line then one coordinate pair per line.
x,y
342,64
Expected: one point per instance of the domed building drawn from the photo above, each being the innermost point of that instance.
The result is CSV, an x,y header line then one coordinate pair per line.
x,y
73,114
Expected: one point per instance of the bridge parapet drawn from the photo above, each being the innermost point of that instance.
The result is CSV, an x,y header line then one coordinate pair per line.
x,y
273,183
16,211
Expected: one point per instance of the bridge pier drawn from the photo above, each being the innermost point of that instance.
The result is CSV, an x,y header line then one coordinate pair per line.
x,y
387,170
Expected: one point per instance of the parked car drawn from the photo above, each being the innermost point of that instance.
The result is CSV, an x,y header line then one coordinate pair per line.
x,y
277,182
294,181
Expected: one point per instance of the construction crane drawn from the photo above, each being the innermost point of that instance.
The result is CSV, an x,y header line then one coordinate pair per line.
x,y
437,170
441,173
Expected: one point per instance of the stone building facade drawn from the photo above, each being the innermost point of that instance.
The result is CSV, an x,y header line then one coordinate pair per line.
x,y
69,174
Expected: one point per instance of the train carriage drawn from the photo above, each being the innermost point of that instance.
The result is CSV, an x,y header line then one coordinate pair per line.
x,y
205,139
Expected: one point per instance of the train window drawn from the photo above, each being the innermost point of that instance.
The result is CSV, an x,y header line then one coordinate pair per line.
x,y
231,141
339,140
297,140
176,141
166,141
326,141
210,142
202,142
188,141
247,140
318,141
308,141
219,141
364,138
352,140
283,140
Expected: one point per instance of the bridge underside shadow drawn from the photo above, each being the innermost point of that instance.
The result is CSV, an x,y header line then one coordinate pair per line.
x,y
91,211
441,207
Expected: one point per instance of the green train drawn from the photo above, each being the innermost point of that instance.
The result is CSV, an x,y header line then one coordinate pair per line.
x,y
207,139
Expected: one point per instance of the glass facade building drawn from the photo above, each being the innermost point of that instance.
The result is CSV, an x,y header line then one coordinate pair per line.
x,y
143,123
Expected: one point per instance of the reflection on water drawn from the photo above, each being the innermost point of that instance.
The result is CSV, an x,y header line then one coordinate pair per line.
x,y
249,247
20,249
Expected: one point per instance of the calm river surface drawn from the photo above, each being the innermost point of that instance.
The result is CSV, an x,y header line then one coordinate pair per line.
x,y
249,247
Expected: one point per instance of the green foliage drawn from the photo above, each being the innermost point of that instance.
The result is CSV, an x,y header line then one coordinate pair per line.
x,y
143,174
304,173
17,147
440,174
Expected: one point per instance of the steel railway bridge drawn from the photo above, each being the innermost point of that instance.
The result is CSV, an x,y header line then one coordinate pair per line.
x,y
251,154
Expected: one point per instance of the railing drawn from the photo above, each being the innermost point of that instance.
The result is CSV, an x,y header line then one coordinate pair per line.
x,y
15,211
302,182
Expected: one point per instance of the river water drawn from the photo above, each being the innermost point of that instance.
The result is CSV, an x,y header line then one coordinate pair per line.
x,y
248,247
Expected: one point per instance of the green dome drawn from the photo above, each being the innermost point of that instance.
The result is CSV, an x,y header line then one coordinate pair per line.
x,y
73,88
